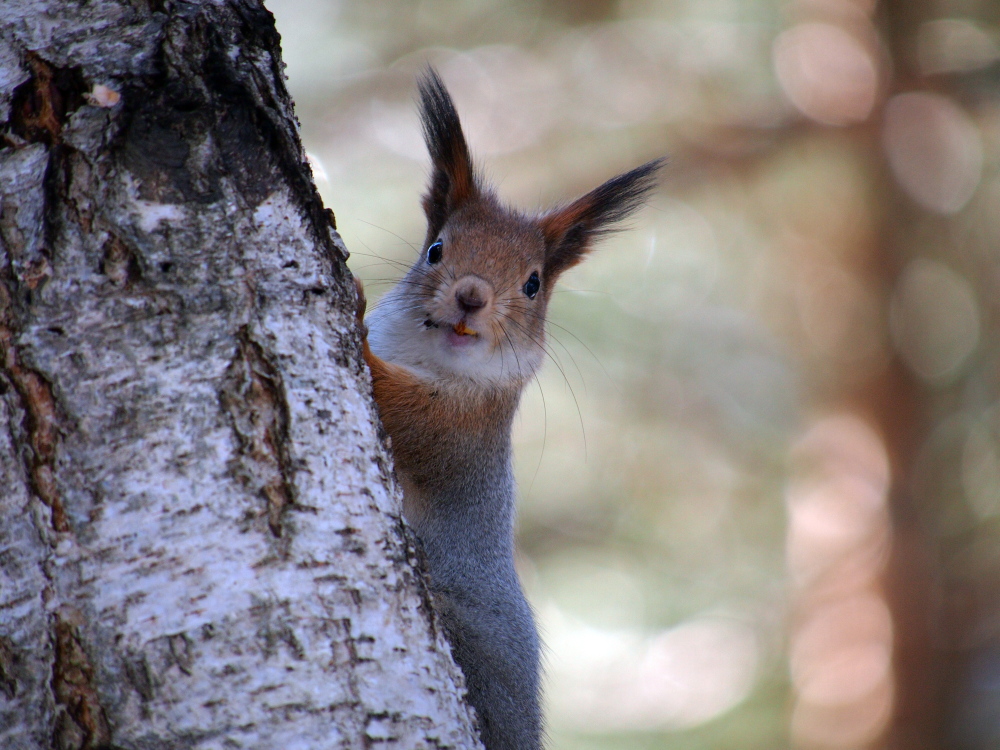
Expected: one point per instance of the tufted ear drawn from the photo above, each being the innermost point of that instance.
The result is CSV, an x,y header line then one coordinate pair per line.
x,y
453,178
571,230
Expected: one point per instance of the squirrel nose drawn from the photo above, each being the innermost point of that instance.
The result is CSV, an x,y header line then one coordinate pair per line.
x,y
469,300
471,294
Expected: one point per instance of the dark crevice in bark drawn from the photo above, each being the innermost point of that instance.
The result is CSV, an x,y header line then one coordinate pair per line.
x,y
253,396
151,6
8,668
40,415
81,724
40,107
206,95
41,104
163,119
258,27
56,191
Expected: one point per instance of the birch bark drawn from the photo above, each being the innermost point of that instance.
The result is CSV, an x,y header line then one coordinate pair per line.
x,y
200,541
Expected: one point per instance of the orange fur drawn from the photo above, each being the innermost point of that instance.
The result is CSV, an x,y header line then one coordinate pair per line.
x,y
433,425
556,224
459,337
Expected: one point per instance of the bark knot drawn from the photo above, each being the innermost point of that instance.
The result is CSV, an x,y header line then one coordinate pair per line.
x,y
253,395
41,419
42,103
119,262
81,724
8,668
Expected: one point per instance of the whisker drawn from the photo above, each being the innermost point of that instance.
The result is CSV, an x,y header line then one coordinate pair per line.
x,y
569,353
545,435
387,231
513,350
562,371
386,261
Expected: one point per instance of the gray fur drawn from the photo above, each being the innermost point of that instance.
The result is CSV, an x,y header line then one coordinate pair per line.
x,y
469,543
448,369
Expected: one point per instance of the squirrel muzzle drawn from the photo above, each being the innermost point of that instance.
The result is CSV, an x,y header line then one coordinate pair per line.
x,y
471,303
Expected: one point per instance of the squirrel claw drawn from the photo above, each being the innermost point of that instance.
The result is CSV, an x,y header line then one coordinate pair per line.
x,y
362,306
376,365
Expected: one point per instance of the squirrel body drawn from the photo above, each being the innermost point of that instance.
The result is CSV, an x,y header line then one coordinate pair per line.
x,y
450,349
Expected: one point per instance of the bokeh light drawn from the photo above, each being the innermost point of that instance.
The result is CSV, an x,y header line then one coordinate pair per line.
x,y
955,45
605,681
935,319
838,544
934,150
826,72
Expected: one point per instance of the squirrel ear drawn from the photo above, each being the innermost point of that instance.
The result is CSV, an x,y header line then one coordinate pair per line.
x,y
571,230
453,178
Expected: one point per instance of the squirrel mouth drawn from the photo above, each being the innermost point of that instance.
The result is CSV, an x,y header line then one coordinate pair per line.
x,y
463,330
460,336
460,329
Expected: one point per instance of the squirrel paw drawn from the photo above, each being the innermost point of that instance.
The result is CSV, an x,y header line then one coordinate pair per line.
x,y
362,306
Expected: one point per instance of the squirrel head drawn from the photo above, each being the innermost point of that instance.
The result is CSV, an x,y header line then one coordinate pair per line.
x,y
478,294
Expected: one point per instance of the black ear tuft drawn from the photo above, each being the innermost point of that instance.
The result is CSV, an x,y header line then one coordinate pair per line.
x,y
453,178
571,230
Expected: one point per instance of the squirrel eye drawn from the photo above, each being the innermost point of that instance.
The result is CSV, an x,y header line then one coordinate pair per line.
x,y
434,252
531,286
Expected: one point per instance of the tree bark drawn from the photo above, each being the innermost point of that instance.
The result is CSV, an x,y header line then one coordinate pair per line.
x,y
200,540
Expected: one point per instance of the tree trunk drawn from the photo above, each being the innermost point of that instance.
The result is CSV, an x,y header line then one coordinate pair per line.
x,y
200,540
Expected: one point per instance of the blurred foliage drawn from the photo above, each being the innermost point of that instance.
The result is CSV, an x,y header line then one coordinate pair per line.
x,y
787,362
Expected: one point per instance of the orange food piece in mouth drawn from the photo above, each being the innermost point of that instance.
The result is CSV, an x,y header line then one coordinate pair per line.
x,y
463,330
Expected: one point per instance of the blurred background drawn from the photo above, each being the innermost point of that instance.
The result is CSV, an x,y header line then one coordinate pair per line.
x,y
760,473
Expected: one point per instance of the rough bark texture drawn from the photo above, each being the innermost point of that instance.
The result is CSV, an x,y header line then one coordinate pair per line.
x,y
200,544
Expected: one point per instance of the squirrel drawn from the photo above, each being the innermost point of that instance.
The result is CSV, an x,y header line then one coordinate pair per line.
x,y
450,349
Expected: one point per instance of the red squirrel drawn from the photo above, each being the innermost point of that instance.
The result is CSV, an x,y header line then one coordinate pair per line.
x,y
450,348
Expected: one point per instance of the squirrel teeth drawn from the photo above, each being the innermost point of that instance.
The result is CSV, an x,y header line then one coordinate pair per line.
x,y
463,330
